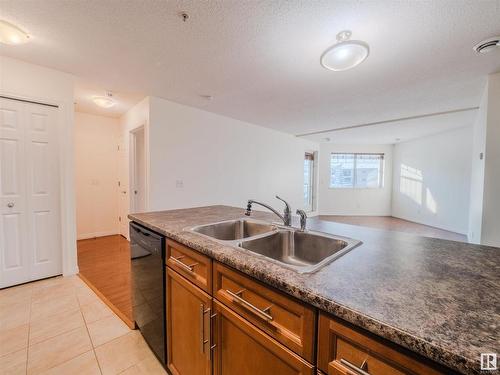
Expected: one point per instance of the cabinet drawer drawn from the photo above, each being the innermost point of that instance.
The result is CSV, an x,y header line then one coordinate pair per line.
x,y
194,266
344,350
285,319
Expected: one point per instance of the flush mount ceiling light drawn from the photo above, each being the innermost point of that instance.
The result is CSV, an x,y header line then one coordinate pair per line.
x,y
346,54
11,34
104,101
487,45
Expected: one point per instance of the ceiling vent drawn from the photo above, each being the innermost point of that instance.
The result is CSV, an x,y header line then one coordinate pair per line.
x,y
487,45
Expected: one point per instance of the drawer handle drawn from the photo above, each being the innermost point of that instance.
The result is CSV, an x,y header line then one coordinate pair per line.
x,y
202,327
189,268
261,313
204,341
356,369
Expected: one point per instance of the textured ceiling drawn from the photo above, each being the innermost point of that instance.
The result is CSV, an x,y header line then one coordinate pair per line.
x,y
84,92
260,59
398,131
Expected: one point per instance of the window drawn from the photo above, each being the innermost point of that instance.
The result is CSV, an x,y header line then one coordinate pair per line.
x,y
308,181
356,170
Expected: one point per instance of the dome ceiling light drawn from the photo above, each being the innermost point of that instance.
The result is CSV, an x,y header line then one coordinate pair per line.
x,y
11,34
487,45
346,54
104,101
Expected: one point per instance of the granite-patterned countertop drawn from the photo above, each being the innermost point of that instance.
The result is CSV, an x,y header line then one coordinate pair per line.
x,y
438,298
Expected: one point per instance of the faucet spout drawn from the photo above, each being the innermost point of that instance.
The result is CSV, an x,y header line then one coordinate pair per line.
x,y
286,217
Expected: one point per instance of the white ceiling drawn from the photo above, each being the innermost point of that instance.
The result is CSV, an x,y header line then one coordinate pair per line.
x,y
83,100
398,131
260,59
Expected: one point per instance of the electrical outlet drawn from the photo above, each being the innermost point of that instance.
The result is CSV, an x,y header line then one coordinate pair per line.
x,y
179,184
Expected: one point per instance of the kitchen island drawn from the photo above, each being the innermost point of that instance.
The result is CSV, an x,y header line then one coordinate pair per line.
x,y
439,299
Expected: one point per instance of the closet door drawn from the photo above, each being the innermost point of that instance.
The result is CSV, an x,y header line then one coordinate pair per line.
x,y
14,257
30,238
43,197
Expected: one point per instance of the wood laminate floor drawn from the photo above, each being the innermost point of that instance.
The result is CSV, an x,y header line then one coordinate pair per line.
x,y
395,224
104,264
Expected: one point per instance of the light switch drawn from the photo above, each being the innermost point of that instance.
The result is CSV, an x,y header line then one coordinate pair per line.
x,y
179,184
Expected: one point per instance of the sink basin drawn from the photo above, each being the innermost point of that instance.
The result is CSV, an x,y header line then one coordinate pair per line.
x,y
301,251
234,229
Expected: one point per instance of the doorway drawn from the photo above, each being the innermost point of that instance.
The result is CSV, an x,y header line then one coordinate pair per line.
x,y
137,170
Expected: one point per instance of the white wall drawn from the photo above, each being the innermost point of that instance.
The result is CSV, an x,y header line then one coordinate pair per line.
x,y
373,202
96,160
33,82
200,158
432,180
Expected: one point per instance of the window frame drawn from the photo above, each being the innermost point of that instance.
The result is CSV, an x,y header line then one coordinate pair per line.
x,y
354,174
312,156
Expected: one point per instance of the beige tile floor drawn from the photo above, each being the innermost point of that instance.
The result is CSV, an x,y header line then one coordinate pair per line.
x,y
59,326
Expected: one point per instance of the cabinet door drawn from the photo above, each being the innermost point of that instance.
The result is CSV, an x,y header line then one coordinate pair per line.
x,y
188,327
243,349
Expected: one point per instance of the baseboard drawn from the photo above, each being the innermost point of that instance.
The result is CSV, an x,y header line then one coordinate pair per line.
x,y
413,220
86,236
355,214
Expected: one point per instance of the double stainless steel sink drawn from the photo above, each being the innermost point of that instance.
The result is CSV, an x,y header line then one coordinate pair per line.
x,y
302,251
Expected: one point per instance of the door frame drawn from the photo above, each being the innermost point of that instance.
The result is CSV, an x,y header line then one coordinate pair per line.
x,y
132,167
67,190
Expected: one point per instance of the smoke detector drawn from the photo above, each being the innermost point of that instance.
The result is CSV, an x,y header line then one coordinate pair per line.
x,y
487,45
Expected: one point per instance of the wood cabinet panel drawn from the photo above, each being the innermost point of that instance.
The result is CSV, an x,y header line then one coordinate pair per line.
x,y
345,350
290,322
194,266
243,349
188,327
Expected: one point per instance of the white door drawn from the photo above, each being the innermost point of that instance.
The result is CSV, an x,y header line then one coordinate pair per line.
x,y
123,197
138,155
30,238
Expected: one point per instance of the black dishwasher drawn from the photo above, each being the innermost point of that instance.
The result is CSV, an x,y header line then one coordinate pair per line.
x,y
147,253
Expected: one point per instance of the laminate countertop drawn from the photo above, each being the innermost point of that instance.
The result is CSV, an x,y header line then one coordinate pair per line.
x,y
438,298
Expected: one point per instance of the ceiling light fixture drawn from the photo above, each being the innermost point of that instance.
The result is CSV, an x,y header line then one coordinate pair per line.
x,y
11,34
346,54
104,101
487,45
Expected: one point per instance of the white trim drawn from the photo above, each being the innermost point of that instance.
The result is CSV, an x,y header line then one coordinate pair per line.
x,y
86,236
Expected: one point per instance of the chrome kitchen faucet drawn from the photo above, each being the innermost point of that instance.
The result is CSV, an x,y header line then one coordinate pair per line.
x,y
287,213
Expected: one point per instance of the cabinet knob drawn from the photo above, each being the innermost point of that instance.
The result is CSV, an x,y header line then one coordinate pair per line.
x,y
10,204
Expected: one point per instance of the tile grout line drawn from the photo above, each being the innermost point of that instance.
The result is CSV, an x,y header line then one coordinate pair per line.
x,y
87,329
74,288
88,333
72,330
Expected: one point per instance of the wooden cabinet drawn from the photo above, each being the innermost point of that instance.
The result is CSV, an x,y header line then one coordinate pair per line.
x,y
345,350
188,327
243,349
194,266
249,328
287,320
